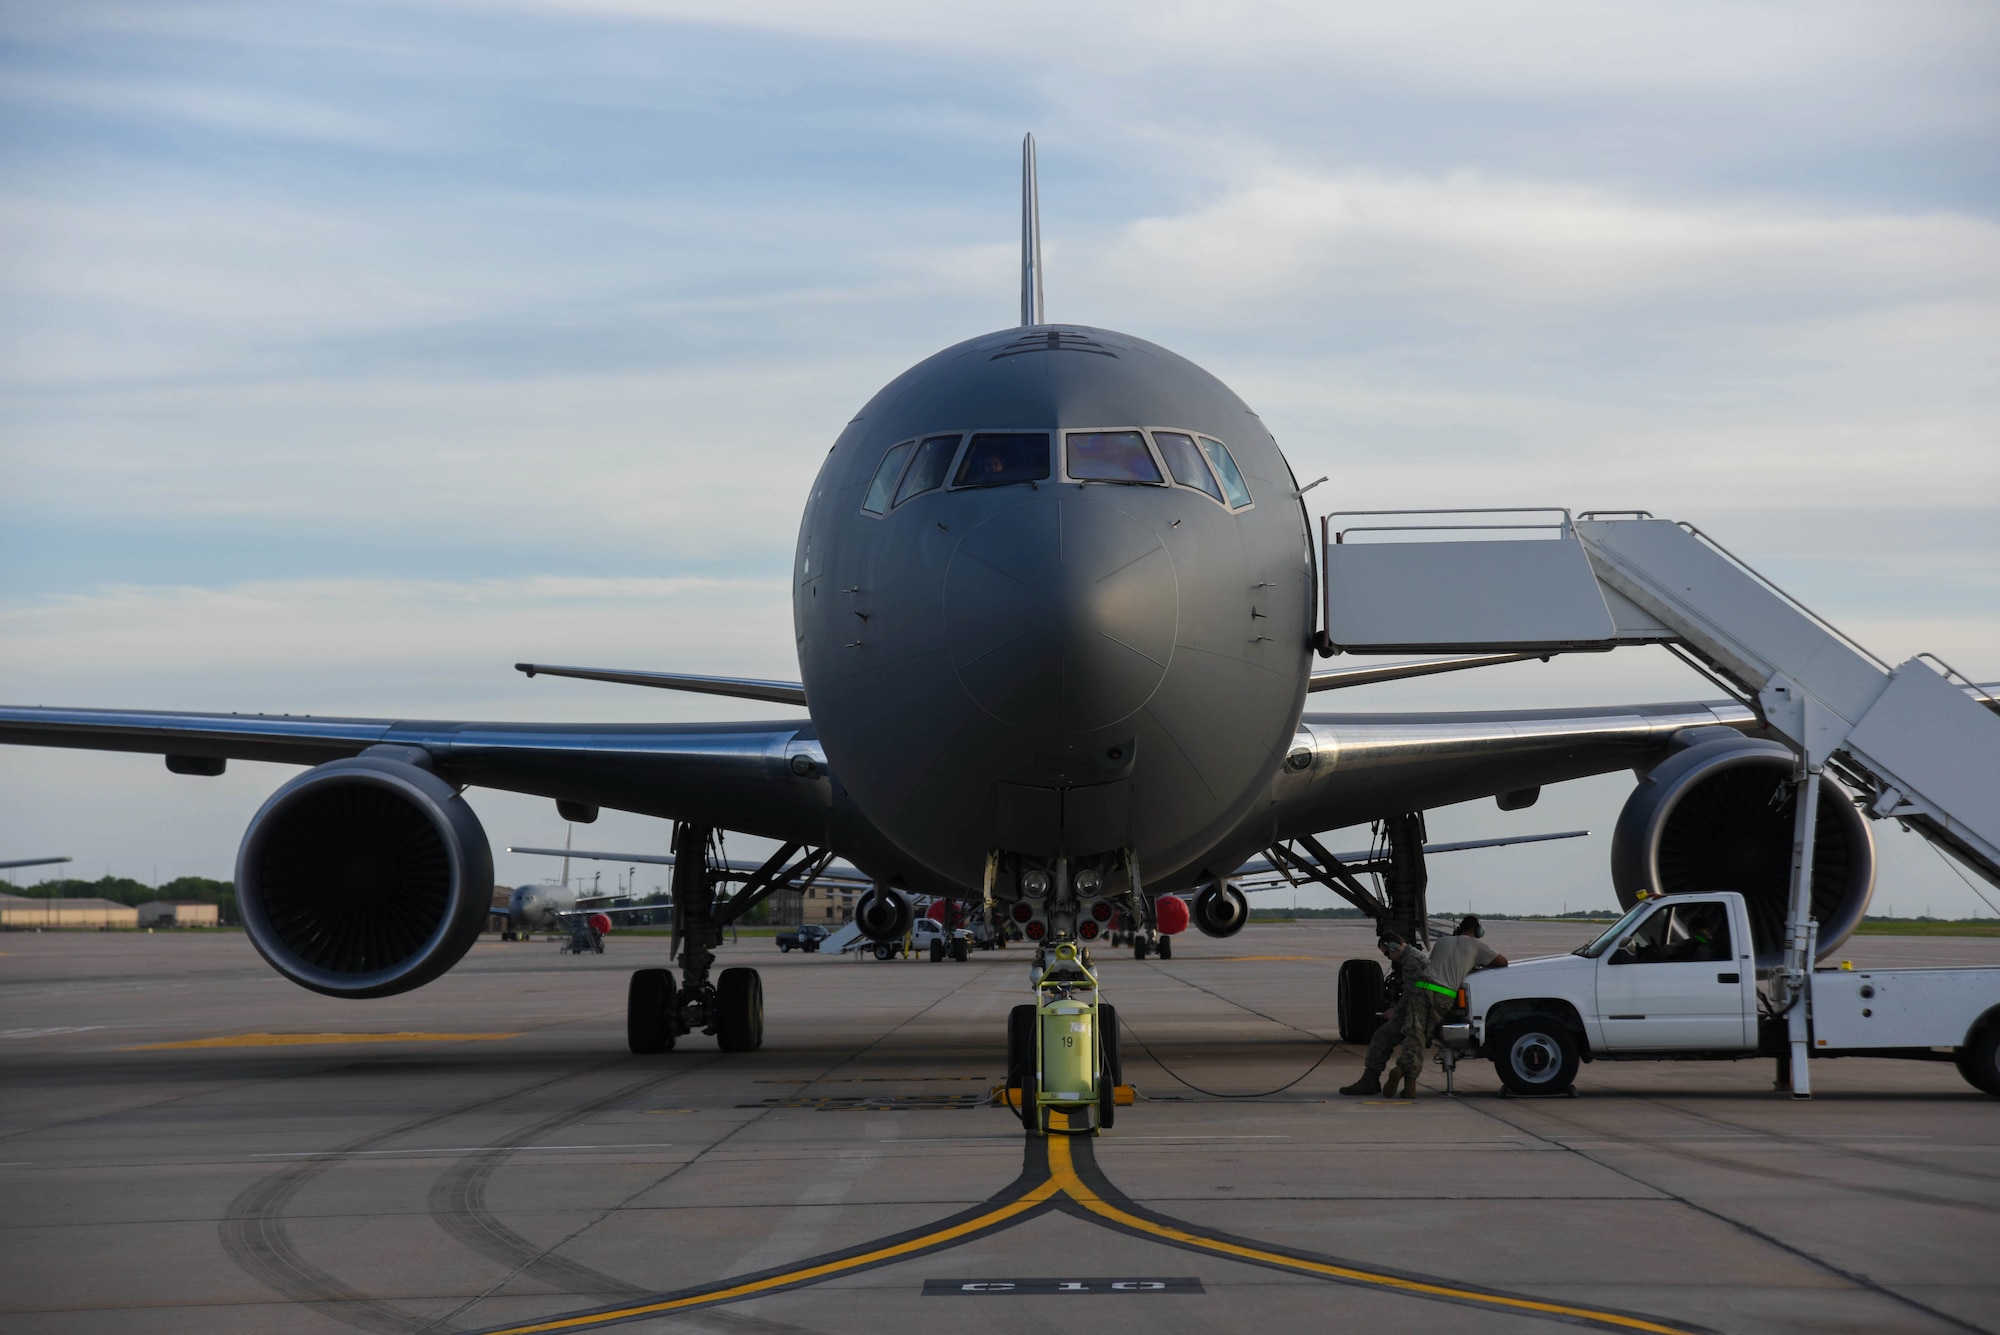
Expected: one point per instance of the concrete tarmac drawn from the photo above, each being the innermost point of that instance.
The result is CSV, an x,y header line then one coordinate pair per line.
x,y
189,1143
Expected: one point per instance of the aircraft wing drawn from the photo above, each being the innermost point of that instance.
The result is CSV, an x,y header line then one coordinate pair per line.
x,y
766,779
1365,767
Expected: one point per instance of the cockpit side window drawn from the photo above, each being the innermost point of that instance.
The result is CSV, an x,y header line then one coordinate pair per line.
x,y
932,463
1184,462
999,458
1225,472
1110,456
884,483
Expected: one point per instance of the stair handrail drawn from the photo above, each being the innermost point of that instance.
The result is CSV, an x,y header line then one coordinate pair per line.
x,y
1565,528
1950,672
1772,585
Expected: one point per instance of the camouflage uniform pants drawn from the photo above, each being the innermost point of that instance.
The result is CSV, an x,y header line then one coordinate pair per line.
x,y
1387,1035
1423,1011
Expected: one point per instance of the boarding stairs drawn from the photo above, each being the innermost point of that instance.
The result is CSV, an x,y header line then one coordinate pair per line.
x,y
1920,741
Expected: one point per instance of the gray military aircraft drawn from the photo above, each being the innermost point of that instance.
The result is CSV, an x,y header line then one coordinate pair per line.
x,y
1055,611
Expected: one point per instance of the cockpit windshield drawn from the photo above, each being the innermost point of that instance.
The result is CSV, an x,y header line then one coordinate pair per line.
x,y
1184,462
1225,472
884,482
1110,456
1001,458
932,463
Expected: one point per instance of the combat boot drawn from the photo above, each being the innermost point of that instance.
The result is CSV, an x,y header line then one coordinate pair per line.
x,y
1369,1083
1390,1085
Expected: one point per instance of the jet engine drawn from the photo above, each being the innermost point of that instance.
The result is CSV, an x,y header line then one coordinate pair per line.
x,y
882,914
1220,909
364,878
1718,816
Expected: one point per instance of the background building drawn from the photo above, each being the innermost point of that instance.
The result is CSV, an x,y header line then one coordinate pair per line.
x,y
179,913
21,913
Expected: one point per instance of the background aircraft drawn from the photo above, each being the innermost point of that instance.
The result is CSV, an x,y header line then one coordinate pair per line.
x,y
1055,598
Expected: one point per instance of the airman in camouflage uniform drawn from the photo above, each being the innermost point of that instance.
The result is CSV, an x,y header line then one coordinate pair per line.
x,y
1390,1031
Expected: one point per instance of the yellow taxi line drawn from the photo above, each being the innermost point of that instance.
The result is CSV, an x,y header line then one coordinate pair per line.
x,y
1062,1170
750,1289
296,1040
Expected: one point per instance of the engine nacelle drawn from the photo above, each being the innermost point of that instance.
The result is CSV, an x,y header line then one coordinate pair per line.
x,y
364,878
1220,909
883,914
1718,816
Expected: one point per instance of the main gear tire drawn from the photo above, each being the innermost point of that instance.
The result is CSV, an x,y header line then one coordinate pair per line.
x,y
1358,992
1166,947
649,1011
739,1011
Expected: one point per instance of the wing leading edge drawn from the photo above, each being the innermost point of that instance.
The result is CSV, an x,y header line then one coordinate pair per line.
x,y
763,778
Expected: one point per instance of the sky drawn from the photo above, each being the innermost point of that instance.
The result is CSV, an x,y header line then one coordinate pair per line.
x,y
350,352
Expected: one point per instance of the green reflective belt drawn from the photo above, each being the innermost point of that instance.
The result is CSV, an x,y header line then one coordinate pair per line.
x,y
1438,988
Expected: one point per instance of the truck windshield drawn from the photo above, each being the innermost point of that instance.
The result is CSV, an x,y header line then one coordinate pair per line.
x,y
1613,932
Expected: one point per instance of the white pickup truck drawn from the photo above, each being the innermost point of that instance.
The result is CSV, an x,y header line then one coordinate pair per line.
x,y
1676,979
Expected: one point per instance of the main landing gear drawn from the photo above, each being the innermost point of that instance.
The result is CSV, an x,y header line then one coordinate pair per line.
x,y
731,1006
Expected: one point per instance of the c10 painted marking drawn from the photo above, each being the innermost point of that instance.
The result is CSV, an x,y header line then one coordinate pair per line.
x,y
988,1288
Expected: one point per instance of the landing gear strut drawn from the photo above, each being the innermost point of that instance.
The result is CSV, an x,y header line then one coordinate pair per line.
x,y
732,1005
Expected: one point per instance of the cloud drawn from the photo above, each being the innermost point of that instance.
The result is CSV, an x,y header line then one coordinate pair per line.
x,y
389,645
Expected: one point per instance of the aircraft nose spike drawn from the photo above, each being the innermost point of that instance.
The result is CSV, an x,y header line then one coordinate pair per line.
x,y
1062,611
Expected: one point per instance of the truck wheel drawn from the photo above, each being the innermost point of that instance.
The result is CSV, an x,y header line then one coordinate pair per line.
x,y
1979,1060
1536,1055
739,1007
1358,992
784,947
649,1010
884,951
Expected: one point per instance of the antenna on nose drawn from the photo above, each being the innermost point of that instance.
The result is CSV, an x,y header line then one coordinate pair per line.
x,y
1031,237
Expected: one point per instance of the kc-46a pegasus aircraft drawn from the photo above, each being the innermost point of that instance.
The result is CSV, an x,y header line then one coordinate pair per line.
x,y
1055,610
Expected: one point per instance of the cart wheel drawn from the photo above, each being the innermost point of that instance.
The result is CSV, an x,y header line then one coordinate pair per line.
x,y
1111,1072
649,1011
1020,1043
739,1006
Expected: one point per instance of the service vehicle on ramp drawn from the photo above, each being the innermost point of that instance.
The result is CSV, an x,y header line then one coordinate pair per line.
x,y
1676,979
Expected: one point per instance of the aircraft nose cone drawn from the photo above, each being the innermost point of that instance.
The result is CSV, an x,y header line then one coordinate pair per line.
x,y
1062,611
